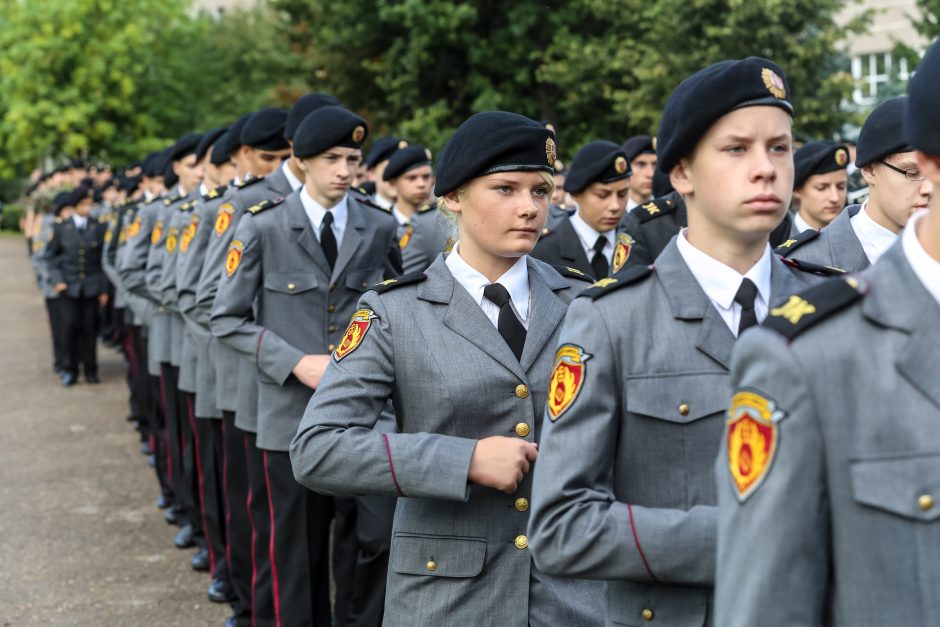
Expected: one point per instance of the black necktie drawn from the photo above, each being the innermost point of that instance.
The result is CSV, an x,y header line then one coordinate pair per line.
x,y
599,262
745,297
328,240
509,326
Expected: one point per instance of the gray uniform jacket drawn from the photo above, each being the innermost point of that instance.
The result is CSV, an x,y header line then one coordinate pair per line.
x,y
194,244
74,258
836,246
237,200
40,263
109,254
844,527
302,308
624,484
458,552
432,233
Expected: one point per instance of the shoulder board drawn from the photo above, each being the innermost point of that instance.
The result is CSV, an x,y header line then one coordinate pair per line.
x,y
546,232
215,193
429,206
169,200
188,206
368,203
250,181
631,275
805,309
795,242
812,268
572,273
405,279
654,208
265,204
153,200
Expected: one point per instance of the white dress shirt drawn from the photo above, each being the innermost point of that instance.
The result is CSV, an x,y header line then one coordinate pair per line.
x,y
315,212
801,224
80,221
403,220
515,280
875,239
203,190
721,283
588,237
382,202
631,204
295,183
925,267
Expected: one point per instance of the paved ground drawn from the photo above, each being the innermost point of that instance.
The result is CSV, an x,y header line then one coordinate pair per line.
x,y
81,542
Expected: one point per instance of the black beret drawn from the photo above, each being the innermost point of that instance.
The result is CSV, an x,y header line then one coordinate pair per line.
x,y
818,157
922,115
638,145
208,140
130,184
703,98
169,176
494,141
882,133
79,194
304,106
265,129
599,161
61,201
662,185
230,142
406,159
184,146
382,149
328,127
153,165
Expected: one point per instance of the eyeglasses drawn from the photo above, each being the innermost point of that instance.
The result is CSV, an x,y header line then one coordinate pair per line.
x,y
914,175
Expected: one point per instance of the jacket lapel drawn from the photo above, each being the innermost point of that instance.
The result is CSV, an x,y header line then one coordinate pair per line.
x,y
570,247
546,312
352,237
844,244
300,224
900,301
465,317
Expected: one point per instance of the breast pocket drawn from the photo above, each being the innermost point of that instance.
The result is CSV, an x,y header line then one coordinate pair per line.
x,y
290,282
904,485
678,398
437,556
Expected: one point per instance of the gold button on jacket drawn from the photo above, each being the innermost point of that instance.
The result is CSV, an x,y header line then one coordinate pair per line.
x,y
647,614
522,429
522,504
522,542
522,391
925,502
432,566
683,409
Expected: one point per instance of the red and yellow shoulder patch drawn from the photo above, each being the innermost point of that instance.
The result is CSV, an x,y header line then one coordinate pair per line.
x,y
189,232
567,379
156,233
234,257
622,251
223,218
406,237
752,437
172,239
134,228
358,327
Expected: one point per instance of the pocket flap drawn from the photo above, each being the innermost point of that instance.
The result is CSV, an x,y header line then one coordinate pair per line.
x,y
437,556
908,485
290,282
679,398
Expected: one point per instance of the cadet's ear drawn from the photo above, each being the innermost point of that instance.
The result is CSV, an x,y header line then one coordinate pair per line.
x,y
452,201
868,173
680,179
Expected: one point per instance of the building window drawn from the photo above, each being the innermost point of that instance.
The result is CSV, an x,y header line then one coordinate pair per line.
x,y
873,73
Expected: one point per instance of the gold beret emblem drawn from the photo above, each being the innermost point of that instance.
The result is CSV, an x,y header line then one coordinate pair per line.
x,y
842,157
427,152
653,143
620,164
550,153
358,134
774,83
402,144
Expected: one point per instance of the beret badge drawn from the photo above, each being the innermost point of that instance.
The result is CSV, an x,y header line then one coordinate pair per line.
x,y
842,157
402,144
550,153
620,164
427,151
774,83
358,134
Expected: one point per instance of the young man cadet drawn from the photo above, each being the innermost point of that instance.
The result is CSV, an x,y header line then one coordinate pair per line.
x,y
829,499
897,188
74,264
307,258
409,172
260,152
819,185
641,156
624,486
588,241
163,241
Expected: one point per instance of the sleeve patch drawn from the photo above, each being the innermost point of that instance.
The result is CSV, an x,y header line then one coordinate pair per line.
x,y
358,327
567,379
234,257
752,435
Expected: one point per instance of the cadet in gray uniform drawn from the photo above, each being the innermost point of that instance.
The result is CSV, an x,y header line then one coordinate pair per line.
x,y
829,474
624,485
306,258
588,241
860,235
475,332
409,172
